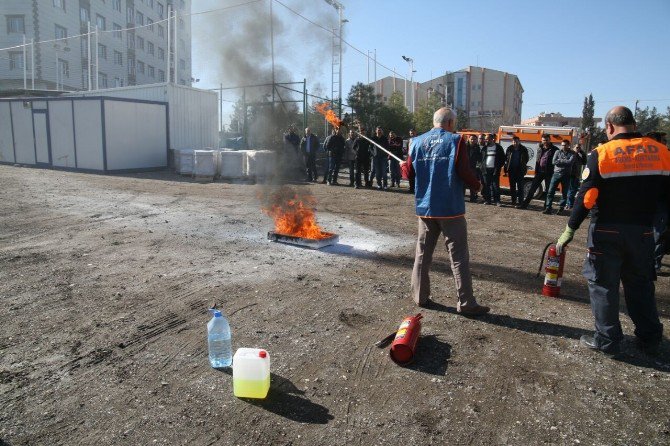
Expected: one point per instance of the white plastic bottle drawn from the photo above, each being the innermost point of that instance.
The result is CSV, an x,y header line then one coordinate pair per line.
x,y
219,342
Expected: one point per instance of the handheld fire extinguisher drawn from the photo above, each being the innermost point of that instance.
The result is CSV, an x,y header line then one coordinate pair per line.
x,y
404,343
553,270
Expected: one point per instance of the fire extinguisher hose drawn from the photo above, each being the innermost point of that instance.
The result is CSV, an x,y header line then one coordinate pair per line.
x,y
544,252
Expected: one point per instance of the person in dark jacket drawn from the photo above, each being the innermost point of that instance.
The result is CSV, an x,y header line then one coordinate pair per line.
x,y
516,166
395,147
563,161
475,158
362,148
380,158
493,160
334,146
544,169
575,174
309,145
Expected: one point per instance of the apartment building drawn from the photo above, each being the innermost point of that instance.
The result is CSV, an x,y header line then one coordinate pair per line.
x,y
556,119
129,45
490,97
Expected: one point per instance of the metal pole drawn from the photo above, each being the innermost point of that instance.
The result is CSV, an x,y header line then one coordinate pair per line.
x,y
244,119
394,75
375,69
25,66
176,47
368,59
32,62
97,60
412,82
169,50
88,39
339,112
371,141
272,53
221,107
304,103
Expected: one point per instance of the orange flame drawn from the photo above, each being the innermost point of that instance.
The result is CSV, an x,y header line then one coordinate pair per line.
x,y
294,215
329,114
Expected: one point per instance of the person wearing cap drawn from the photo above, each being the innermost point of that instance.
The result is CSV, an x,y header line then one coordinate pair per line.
x,y
622,183
440,163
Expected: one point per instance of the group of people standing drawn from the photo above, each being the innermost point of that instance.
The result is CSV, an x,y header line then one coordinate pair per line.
x,y
365,161
553,167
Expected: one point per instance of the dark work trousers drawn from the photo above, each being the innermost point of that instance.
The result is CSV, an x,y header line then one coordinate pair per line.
x,y
352,172
622,253
395,171
537,181
310,165
381,170
516,180
333,168
660,226
473,194
491,186
363,167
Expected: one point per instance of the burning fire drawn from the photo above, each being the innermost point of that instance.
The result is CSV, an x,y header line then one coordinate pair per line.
x,y
329,114
293,214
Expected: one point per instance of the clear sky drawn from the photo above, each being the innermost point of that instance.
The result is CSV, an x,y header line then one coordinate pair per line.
x,y
561,51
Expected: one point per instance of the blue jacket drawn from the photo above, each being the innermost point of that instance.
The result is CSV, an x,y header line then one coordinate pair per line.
x,y
438,188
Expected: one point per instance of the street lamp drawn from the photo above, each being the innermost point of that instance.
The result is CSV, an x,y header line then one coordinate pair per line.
x,y
339,7
410,63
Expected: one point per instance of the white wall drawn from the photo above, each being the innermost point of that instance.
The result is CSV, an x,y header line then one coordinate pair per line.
x,y
136,135
88,134
24,140
6,139
62,135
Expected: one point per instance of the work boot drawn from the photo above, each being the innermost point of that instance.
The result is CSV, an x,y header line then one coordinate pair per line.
x,y
479,310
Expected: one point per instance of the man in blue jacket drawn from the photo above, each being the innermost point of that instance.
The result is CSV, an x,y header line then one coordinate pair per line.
x,y
440,162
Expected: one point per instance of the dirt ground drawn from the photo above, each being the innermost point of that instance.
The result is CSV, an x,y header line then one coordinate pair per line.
x,y
105,282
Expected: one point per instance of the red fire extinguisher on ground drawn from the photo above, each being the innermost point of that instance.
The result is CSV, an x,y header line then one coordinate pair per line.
x,y
404,343
553,270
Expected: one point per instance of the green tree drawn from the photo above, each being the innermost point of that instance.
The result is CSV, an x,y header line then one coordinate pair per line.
x,y
462,120
594,133
423,116
648,120
395,116
365,104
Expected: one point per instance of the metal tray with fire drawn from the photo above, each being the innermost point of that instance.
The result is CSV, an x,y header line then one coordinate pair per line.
x,y
327,239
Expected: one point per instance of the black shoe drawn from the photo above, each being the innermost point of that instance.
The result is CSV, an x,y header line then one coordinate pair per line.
x,y
547,211
324,181
488,203
559,211
589,342
522,206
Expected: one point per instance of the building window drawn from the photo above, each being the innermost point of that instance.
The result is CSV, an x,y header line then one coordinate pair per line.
x,y
63,68
102,51
150,48
16,24
182,64
84,47
131,41
161,31
59,4
161,75
140,67
160,9
16,60
100,22
150,24
150,69
118,82
161,53
84,77
140,18
84,15
131,67
182,82
102,80
140,43
117,31
118,58
130,15
116,4
61,33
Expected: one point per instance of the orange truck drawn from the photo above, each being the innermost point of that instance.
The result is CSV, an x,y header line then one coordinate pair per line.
x,y
530,137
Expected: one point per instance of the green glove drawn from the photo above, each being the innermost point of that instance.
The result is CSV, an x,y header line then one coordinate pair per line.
x,y
564,239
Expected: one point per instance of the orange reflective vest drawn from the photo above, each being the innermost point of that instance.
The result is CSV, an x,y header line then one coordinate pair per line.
x,y
633,157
